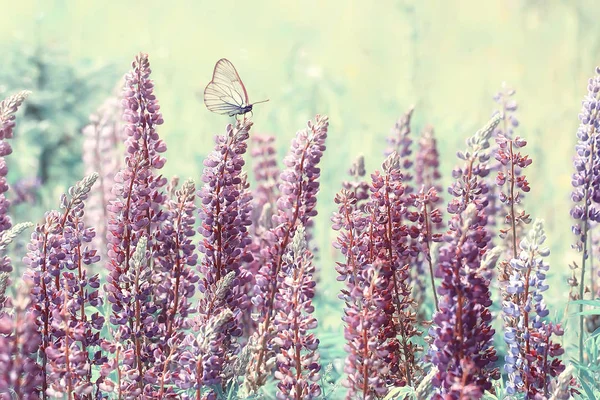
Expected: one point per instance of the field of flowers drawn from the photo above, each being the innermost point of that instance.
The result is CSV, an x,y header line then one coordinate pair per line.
x,y
304,250
141,286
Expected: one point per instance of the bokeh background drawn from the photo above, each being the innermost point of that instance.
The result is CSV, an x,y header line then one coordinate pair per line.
x,y
361,63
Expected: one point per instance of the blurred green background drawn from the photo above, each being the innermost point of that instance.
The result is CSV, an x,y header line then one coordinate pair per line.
x,y
361,63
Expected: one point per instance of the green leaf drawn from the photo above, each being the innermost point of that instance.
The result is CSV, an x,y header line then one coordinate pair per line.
x,y
588,390
593,303
595,311
594,334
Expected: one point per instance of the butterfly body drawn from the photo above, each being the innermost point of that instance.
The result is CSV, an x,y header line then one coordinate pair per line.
x,y
243,110
225,93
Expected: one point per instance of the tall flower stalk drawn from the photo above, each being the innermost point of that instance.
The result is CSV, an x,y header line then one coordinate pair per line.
x,y
58,261
586,185
377,245
532,361
297,364
461,346
515,184
365,295
225,214
8,108
299,184
20,373
137,211
175,285
176,257
391,237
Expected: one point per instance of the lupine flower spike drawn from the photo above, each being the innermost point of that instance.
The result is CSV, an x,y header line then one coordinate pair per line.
x,y
297,364
136,212
225,214
461,346
299,185
8,108
532,361
586,187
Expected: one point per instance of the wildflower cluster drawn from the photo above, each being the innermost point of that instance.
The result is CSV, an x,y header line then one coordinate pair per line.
x,y
121,300
376,242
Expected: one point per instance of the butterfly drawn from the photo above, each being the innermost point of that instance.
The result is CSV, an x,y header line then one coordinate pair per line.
x,y
226,93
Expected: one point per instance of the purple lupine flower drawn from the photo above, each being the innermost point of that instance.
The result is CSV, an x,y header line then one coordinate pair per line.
x,y
470,185
136,212
78,291
427,162
299,184
532,361
505,129
69,371
366,366
44,252
376,243
102,148
225,215
8,108
20,373
391,240
175,286
6,238
586,185
506,111
461,346
202,349
129,382
297,360
513,184
400,142
176,257
57,261
365,295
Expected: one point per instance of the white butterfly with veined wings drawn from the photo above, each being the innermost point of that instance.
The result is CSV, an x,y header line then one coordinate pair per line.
x,y
226,93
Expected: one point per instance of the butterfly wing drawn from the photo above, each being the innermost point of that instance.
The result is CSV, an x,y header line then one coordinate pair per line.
x,y
226,93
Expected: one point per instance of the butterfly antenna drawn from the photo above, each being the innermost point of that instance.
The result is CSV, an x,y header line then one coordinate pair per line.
x,y
262,101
